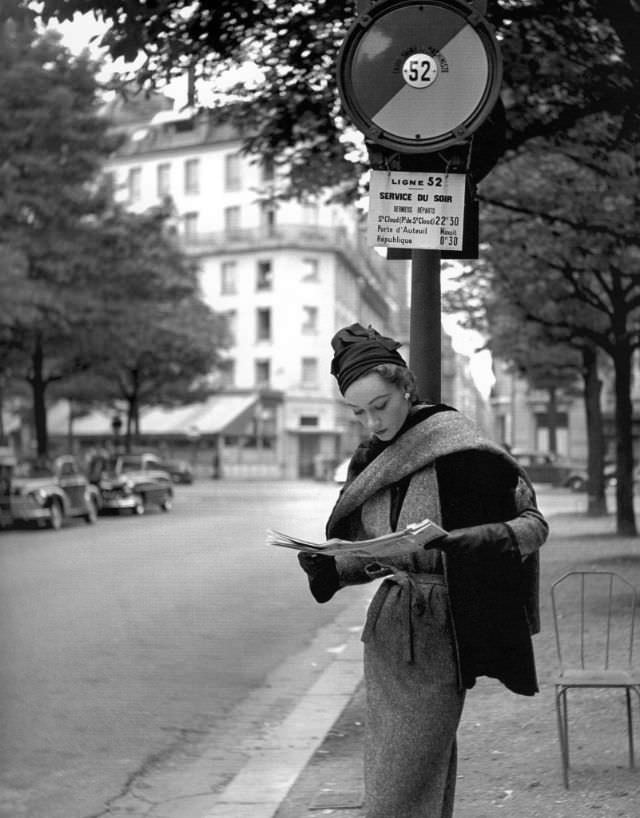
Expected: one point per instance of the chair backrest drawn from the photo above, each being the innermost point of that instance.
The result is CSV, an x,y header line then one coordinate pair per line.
x,y
594,620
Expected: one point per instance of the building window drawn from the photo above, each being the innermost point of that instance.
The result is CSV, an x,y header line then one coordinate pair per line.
x,y
190,225
263,373
309,421
228,278
233,171
134,184
192,176
228,372
544,432
268,169
268,217
109,178
263,324
231,320
163,181
264,276
310,212
310,271
309,371
231,219
310,320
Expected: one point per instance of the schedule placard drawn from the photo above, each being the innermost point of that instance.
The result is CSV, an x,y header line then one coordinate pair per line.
x,y
416,210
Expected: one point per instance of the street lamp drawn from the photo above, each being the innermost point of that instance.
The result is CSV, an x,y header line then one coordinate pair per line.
x,y
116,428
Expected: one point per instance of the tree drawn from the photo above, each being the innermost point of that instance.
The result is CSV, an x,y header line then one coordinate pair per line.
x,y
154,340
544,356
564,60
80,279
52,144
563,245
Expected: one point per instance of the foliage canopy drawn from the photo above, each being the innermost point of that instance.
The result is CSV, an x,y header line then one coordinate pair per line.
x,y
564,60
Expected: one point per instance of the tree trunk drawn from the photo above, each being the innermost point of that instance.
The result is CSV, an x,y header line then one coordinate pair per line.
x,y
38,388
133,421
2,434
552,419
129,425
596,497
625,515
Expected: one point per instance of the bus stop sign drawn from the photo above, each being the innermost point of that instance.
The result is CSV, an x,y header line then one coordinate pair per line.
x,y
417,76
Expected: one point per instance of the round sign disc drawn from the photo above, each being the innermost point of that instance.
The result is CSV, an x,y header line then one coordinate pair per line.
x,y
419,76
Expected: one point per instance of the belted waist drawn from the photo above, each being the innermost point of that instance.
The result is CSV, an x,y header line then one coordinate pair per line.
x,y
413,599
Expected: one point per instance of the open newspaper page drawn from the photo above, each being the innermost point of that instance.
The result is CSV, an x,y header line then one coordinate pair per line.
x,y
415,535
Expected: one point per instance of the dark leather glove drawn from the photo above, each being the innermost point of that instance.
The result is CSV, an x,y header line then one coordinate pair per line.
x,y
490,541
322,573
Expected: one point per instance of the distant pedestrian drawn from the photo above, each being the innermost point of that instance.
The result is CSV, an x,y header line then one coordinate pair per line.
x,y
462,607
215,465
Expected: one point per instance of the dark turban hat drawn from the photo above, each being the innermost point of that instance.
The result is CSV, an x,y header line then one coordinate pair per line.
x,y
358,350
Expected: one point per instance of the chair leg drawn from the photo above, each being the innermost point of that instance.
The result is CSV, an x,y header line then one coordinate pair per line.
x,y
563,732
630,728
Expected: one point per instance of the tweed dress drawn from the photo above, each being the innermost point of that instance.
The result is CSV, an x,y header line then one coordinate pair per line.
x,y
414,690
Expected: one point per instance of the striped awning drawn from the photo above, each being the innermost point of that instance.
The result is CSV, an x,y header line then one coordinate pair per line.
x,y
220,414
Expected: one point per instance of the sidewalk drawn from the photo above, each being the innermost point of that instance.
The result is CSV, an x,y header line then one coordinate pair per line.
x,y
508,753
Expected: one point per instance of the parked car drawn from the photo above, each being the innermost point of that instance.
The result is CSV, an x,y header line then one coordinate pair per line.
x,y
47,492
578,479
543,467
180,471
131,482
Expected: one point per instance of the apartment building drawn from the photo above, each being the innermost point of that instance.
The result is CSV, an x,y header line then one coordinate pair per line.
x,y
285,273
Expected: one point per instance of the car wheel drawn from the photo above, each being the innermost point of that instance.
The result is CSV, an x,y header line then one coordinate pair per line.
x,y
92,512
138,509
167,503
56,516
577,484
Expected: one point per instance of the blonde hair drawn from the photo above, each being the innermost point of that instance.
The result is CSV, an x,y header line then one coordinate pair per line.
x,y
400,376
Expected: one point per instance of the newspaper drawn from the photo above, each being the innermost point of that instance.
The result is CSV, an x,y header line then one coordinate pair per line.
x,y
415,535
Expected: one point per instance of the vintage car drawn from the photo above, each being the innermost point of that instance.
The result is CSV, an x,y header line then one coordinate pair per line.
x,y
578,479
543,467
131,482
47,493
180,471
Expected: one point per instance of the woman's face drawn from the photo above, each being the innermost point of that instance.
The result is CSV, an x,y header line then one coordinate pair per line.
x,y
380,406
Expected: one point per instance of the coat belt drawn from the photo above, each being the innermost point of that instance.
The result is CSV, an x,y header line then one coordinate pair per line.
x,y
413,598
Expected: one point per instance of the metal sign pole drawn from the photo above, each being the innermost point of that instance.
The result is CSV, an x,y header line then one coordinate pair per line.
x,y
426,324
419,78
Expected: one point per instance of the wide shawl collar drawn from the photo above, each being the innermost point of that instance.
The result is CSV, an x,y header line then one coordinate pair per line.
x,y
417,449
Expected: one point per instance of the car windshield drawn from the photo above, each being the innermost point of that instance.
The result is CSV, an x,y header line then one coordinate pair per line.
x,y
130,464
32,468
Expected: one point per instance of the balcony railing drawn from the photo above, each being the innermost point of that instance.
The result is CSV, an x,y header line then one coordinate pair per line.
x,y
229,239
308,237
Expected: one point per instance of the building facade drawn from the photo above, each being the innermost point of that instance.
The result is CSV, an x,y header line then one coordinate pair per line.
x,y
285,274
523,416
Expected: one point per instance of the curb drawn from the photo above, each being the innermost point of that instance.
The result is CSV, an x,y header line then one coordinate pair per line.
x,y
261,786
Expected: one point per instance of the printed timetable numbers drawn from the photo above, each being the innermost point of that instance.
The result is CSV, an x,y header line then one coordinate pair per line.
x,y
418,210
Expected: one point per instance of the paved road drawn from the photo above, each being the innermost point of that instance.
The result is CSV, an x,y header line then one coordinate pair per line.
x,y
131,648
126,642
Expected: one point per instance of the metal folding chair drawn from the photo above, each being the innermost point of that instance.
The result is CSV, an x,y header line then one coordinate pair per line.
x,y
594,620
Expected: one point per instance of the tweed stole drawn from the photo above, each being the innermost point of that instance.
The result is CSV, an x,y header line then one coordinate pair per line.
x,y
413,453
421,500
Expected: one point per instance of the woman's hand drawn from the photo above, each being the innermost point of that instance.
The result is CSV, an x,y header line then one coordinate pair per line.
x,y
490,540
322,573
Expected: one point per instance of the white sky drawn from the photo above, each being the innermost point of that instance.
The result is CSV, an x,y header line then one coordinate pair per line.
x,y
77,35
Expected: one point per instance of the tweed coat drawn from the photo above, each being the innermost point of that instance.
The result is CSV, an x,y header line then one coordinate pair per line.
x,y
446,471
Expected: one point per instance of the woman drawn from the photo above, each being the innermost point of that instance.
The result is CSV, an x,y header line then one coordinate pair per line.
x,y
462,607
